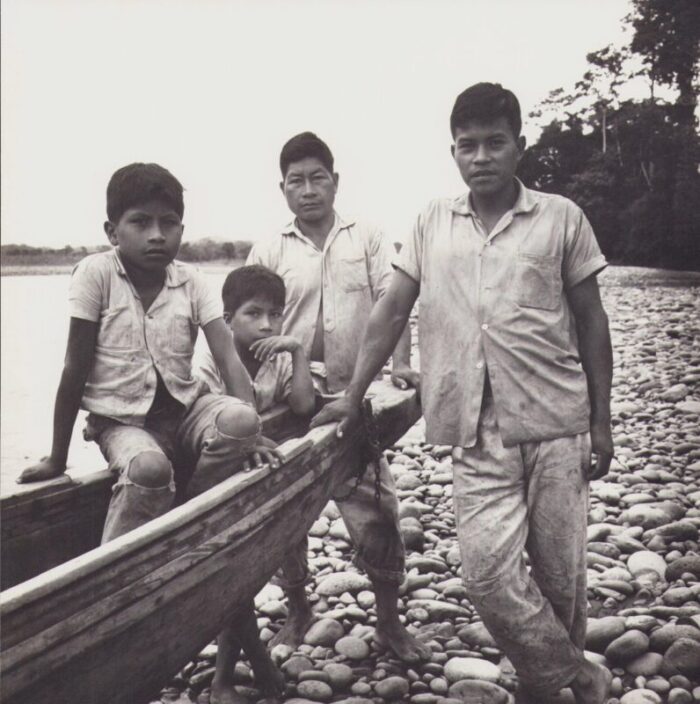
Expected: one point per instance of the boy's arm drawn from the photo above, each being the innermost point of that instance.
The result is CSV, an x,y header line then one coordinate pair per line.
x,y
302,396
234,374
386,323
80,352
595,349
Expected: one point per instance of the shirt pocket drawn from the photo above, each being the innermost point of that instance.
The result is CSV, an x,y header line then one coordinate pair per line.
x,y
116,328
352,274
182,334
536,281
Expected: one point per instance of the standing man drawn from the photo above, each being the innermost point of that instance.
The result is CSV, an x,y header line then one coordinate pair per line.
x,y
334,271
516,369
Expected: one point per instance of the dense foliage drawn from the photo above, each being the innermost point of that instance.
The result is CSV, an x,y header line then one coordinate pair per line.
x,y
632,164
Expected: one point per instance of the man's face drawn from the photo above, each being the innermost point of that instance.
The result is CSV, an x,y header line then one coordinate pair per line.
x,y
487,155
148,236
310,190
254,320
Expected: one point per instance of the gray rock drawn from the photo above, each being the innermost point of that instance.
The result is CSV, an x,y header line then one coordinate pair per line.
x,y
325,632
339,675
391,688
689,563
661,639
339,582
296,665
315,690
600,632
352,648
646,561
648,665
641,696
458,669
476,634
683,657
482,692
627,647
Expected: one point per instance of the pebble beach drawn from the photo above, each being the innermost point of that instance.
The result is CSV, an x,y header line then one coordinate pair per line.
x,y
643,547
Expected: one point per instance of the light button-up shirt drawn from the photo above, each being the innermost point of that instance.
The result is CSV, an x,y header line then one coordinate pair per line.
x,y
496,303
351,272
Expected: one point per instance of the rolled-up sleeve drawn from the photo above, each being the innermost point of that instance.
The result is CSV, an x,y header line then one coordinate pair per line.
x,y
582,255
380,270
409,259
86,291
207,305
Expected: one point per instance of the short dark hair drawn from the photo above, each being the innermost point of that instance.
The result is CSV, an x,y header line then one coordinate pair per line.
x,y
485,102
247,282
304,145
139,183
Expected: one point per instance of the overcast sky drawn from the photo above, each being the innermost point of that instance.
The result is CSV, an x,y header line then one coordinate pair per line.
x,y
211,89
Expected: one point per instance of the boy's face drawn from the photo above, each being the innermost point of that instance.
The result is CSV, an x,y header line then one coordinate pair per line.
x,y
255,319
309,189
148,236
487,155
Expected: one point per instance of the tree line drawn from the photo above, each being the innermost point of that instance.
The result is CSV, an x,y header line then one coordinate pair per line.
x,y
631,164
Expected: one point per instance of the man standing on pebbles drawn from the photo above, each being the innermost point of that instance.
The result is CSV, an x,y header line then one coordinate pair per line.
x,y
516,368
334,270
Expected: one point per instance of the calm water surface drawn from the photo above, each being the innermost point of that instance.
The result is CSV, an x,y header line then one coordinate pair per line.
x,y
34,318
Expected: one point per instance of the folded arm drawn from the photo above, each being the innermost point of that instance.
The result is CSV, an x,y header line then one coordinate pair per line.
x,y
235,377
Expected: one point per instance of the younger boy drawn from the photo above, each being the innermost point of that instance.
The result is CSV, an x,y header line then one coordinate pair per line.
x,y
253,298
134,319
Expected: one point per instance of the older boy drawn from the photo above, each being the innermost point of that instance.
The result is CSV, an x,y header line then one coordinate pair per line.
x,y
134,319
516,369
334,270
253,298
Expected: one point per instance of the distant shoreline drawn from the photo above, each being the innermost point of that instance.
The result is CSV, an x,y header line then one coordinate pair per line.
x,y
215,266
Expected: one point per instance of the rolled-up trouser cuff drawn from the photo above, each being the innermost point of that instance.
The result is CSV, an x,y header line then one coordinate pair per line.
x,y
379,574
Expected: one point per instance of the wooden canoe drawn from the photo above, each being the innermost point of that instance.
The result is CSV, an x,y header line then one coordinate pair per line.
x,y
115,623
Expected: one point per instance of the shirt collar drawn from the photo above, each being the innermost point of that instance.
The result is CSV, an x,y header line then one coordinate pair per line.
x,y
175,273
525,202
340,223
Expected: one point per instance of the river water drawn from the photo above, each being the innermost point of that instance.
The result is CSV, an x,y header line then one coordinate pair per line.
x,y
35,319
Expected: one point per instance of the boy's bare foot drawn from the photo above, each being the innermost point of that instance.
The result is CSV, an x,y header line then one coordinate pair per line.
x,y
225,693
592,684
293,631
393,635
268,678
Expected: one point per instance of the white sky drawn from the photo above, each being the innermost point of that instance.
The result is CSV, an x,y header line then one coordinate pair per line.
x,y
211,89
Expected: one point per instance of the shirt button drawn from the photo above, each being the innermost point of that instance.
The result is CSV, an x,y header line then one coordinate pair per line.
x,y
484,326
479,365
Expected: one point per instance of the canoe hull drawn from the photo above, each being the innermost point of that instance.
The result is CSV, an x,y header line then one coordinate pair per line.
x,y
115,628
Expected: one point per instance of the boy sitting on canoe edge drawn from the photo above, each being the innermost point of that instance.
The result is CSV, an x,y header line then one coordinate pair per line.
x,y
134,319
254,298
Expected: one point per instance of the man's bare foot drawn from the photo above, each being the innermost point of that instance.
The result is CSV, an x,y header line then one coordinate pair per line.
x,y
592,684
294,629
225,693
406,647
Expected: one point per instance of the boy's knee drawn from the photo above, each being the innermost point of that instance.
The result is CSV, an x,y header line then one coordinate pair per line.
x,y
238,420
151,470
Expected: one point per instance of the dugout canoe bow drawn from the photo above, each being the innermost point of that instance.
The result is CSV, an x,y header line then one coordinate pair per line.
x,y
114,623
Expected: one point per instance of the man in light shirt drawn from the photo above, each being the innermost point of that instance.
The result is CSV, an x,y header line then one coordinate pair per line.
x,y
516,369
334,271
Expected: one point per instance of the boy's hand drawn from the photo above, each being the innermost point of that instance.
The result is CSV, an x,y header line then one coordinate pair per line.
x,y
601,449
270,346
404,377
45,469
343,410
264,451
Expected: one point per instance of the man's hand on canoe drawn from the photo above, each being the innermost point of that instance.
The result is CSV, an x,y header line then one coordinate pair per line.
x,y
404,377
265,451
45,469
343,411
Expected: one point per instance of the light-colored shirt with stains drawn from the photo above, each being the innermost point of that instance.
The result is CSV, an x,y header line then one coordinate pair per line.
x,y
133,346
351,272
272,383
498,302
